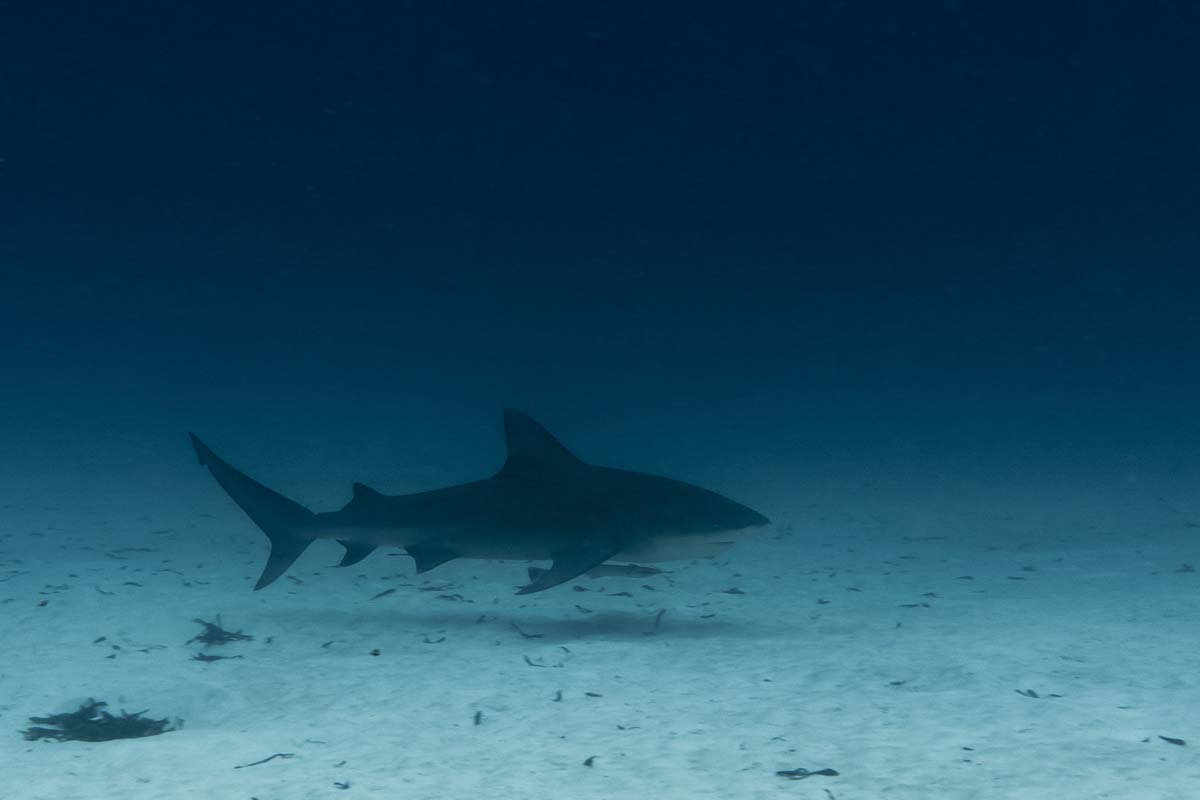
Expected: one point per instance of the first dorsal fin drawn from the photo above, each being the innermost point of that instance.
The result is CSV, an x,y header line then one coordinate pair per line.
x,y
365,494
531,447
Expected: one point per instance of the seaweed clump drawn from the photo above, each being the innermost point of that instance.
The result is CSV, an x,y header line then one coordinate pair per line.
x,y
214,634
91,723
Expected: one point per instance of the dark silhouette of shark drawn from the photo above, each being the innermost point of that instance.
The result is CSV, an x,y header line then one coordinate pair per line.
x,y
544,504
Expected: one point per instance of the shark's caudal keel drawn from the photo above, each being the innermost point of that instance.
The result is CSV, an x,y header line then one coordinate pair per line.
x,y
543,504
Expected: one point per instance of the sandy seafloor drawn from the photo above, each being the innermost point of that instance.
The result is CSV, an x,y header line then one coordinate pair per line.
x,y
883,628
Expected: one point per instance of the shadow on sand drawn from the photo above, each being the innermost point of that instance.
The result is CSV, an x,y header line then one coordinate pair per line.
x,y
524,624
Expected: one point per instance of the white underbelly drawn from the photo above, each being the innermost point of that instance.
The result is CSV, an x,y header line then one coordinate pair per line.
x,y
673,548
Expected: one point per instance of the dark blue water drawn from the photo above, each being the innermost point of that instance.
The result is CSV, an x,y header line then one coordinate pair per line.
x,y
790,231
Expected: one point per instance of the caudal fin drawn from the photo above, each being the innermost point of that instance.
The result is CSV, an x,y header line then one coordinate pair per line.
x,y
285,522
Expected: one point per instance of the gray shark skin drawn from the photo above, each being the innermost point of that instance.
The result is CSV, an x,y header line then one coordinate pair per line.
x,y
544,504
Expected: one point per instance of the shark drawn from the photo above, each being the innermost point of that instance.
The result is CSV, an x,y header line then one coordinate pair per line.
x,y
544,504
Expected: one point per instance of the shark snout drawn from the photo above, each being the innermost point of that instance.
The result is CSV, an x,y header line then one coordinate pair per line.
x,y
747,519
752,528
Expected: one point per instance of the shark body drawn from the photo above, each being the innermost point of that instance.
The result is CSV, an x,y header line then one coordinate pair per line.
x,y
544,504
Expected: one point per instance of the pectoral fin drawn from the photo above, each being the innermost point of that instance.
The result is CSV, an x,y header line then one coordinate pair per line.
x,y
569,564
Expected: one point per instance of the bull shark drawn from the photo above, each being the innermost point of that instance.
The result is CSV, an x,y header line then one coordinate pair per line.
x,y
544,504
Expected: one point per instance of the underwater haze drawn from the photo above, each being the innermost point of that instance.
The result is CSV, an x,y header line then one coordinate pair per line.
x,y
919,282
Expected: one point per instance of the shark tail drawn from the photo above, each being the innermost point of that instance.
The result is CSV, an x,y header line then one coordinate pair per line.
x,y
285,522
